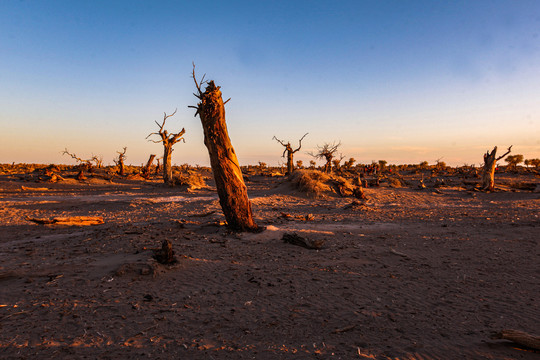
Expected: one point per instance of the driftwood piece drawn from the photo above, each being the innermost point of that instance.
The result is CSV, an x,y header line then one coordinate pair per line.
x,y
165,255
72,220
295,239
519,337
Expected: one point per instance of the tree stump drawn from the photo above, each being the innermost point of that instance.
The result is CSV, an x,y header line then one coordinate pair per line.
x,y
165,255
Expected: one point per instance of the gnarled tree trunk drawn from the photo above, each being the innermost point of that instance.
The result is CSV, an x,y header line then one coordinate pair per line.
x,y
229,181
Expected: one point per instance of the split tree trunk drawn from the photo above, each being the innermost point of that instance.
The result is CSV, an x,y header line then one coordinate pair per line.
x,y
230,185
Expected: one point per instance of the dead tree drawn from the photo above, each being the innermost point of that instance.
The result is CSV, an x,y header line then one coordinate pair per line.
x,y
158,166
290,152
84,164
146,168
488,171
168,140
230,184
120,161
326,152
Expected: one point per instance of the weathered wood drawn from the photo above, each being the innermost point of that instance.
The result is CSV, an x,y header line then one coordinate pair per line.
x,y
519,337
488,171
230,184
295,239
73,220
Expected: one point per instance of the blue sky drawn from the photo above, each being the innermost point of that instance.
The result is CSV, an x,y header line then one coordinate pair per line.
x,y
404,81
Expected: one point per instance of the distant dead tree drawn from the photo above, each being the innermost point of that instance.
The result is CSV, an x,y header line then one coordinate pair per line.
x,y
168,140
290,152
488,171
120,161
84,164
146,169
326,152
230,184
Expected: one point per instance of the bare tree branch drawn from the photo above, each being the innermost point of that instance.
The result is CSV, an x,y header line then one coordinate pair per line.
x,y
198,84
279,141
506,153
300,142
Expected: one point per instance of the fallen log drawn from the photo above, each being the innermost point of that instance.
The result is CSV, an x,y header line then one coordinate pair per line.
x,y
27,188
519,337
295,239
73,220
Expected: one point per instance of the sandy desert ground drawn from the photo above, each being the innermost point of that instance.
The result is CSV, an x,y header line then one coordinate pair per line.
x,y
407,274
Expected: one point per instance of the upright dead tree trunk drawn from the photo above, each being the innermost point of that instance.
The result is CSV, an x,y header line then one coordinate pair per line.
x,y
168,140
158,166
290,153
488,171
230,185
146,169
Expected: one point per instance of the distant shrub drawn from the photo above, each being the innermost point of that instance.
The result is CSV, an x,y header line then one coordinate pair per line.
x,y
532,162
394,182
514,160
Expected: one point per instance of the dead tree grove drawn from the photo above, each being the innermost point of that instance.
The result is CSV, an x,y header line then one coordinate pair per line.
x,y
290,152
230,184
168,140
326,152
488,171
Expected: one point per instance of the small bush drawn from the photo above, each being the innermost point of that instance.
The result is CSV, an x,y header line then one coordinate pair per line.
x,y
311,182
193,181
394,183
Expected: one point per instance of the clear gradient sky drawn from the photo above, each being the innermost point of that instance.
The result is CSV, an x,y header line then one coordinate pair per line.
x,y
403,81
